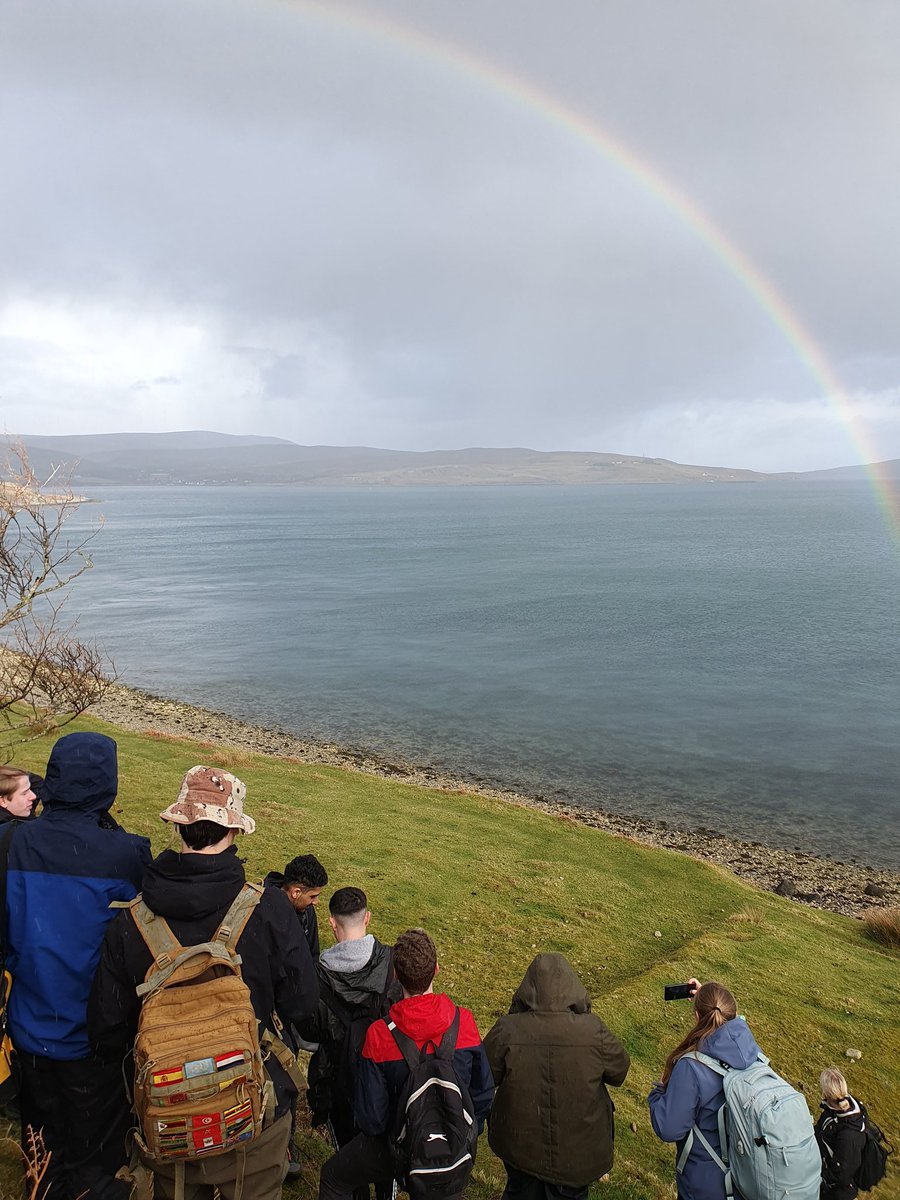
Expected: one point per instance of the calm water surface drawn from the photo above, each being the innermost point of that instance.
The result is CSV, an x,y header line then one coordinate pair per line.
x,y
725,656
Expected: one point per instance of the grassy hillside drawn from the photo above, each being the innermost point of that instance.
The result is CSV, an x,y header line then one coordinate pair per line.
x,y
494,884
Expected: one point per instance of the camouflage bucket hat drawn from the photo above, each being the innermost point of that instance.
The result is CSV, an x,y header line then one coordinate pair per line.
x,y
208,794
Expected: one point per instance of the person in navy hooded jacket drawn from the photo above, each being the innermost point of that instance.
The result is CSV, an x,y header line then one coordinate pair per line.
x,y
64,870
690,1093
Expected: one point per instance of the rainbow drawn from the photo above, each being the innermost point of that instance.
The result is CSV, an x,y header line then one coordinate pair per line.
x,y
495,78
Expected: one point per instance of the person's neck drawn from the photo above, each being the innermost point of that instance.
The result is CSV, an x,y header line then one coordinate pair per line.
x,y
429,991
353,935
216,849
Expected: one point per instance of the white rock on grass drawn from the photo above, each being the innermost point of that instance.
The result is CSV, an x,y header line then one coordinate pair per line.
x,y
856,1055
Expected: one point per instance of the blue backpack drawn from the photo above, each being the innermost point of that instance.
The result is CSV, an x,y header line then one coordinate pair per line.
x,y
767,1148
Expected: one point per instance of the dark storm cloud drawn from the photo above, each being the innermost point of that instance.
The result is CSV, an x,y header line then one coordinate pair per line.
x,y
299,226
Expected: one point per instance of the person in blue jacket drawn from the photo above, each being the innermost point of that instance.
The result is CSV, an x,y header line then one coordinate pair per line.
x,y
64,870
690,1093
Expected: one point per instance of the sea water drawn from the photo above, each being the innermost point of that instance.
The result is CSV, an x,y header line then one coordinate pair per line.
x,y
723,656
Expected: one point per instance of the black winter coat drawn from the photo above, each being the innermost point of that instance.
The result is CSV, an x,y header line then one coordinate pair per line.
x,y
841,1139
552,1059
193,892
308,920
349,1001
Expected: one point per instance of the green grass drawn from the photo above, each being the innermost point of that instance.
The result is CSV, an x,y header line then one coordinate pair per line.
x,y
495,883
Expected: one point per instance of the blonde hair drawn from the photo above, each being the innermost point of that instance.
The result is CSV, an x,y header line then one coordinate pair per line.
x,y
714,1005
833,1086
9,780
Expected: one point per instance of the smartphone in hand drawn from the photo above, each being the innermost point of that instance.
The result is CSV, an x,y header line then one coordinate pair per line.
x,y
678,991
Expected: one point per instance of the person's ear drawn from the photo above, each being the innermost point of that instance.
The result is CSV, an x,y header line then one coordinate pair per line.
x,y
368,918
333,923
437,967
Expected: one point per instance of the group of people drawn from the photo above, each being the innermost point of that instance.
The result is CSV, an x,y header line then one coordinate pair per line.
x,y
95,927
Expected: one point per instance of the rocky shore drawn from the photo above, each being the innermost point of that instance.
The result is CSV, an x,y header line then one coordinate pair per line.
x,y
820,882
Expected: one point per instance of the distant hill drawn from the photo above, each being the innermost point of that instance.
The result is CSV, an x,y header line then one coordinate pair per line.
x,y
192,439
888,471
204,457
200,457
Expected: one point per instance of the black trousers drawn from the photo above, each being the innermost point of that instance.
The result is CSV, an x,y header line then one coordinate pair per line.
x,y
80,1110
363,1160
520,1186
370,1156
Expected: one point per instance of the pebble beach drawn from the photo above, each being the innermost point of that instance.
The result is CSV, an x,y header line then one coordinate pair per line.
x,y
826,883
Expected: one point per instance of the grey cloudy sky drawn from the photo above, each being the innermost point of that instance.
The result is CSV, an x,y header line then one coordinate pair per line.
x,y
331,223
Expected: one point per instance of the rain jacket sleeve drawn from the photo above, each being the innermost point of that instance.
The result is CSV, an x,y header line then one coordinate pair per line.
x,y
291,963
616,1057
481,1085
113,1007
673,1110
372,1106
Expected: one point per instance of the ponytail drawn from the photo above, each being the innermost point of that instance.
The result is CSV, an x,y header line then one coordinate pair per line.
x,y
834,1089
714,1005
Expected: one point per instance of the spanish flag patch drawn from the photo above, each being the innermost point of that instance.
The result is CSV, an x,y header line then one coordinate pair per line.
x,y
171,1075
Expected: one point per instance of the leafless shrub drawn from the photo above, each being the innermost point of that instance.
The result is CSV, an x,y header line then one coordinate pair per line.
x,y
48,676
36,1158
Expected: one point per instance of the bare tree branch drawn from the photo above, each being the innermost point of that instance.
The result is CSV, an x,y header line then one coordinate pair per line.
x,y
48,676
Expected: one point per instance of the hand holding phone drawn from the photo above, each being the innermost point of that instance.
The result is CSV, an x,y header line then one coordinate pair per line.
x,y
680,991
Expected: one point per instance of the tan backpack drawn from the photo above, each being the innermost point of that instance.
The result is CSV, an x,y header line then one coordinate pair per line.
x,y
200,1086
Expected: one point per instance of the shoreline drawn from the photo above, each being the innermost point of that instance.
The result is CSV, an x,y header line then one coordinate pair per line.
x,y
818,882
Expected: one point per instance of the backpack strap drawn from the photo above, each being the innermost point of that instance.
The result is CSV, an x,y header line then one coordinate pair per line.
x,y
449,1040
413,1055
235,920
154,929
720,1158
169,954
712,1063
271,1043
164,945
202,953
721,1162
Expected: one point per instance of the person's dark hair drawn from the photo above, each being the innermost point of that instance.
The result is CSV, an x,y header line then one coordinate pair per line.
x,y
714,1005
201,834
306,870
348,902
415,961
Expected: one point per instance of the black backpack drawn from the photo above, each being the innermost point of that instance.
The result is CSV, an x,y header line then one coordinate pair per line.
x,y
435,1132
873,1164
